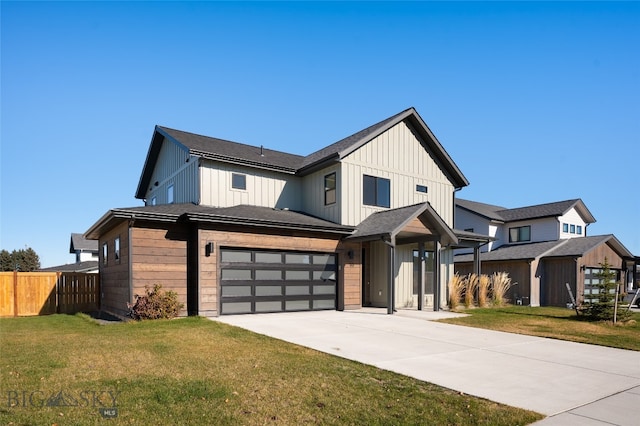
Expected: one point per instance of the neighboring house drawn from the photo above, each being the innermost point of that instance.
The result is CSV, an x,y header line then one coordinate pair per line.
x,y
86,252
542,247
234,228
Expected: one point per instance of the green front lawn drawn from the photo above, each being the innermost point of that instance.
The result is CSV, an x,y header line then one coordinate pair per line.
x,y
557,323
63,369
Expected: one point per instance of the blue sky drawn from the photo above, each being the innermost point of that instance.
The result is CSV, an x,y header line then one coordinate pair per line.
x,y
535,102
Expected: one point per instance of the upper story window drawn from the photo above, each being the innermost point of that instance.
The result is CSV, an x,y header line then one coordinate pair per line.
x,y
330,189
521,233
579,230
376,191
565,227
154,201
105,251
572,229
116,246
238,181
170,194
421,188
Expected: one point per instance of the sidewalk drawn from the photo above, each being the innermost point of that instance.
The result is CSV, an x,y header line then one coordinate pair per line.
x,y
572,383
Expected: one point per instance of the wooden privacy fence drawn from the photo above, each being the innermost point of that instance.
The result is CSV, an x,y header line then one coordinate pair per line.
x,y
43,293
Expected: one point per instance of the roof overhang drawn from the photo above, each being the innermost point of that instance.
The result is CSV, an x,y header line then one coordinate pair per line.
x,y
405,225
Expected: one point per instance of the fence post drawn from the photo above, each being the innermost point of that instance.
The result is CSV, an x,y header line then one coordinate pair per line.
x,y
15,293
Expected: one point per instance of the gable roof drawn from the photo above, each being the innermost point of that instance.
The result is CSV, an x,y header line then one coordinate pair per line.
x,y
86,266
339,150
387,224
572,247
259,157
245,215
79,243
537,211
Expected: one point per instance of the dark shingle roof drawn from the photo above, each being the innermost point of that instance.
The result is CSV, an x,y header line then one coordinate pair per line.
x,y
220,149
245,215
237,153
86,266
388,223
79,243
572,247
537,211
482,209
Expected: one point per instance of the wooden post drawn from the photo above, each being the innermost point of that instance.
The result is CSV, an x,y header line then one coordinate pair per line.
x,y
15,293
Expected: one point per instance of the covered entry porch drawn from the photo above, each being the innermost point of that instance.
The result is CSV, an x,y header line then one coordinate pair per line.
x,y
406,259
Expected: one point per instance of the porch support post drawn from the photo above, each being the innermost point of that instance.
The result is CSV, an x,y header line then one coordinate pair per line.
x,y
436,279
420,275
391,296
476,260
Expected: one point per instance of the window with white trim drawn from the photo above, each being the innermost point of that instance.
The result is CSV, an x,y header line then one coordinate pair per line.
x,y
170,194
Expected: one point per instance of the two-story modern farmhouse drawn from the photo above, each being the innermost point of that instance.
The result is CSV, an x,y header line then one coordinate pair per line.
x,y
234,228
543,247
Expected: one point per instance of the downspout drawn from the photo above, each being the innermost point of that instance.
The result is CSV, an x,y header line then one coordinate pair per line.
x,y
130,256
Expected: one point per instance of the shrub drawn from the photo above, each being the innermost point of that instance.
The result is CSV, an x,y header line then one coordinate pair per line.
x,y
500,284
483,290
471,284
155,304
456,284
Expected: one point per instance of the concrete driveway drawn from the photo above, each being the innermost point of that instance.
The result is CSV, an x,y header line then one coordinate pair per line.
x,y
572,383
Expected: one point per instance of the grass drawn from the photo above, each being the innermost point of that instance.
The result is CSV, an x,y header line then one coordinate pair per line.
x,y
556,323
196,371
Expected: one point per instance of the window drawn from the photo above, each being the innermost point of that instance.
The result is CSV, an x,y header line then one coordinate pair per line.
x,y
330,189
154,200
170,194
565,227
238,181
573,229
105,250
116,244
579,230
469,230
521,233
376,191
421,188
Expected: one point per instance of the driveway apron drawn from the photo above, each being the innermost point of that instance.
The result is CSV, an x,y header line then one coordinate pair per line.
x,y
572,383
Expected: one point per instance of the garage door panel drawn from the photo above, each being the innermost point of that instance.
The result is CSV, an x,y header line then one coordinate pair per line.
x,y
271,281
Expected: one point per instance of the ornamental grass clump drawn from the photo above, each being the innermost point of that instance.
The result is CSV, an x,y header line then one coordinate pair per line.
x,y
155,304
471,284
500,284
456,284
483,290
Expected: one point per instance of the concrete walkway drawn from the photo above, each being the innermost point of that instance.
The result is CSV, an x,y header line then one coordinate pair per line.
x,y
572,383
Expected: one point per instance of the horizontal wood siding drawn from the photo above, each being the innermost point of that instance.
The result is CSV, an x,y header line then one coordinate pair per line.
x,y
159,256
264,188
172,168
399,156
555,274
115,274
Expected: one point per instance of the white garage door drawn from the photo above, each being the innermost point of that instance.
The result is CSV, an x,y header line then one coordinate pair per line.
x,y
256,281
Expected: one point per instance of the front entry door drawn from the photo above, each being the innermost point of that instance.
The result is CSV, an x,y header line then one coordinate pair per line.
x,y
429,276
